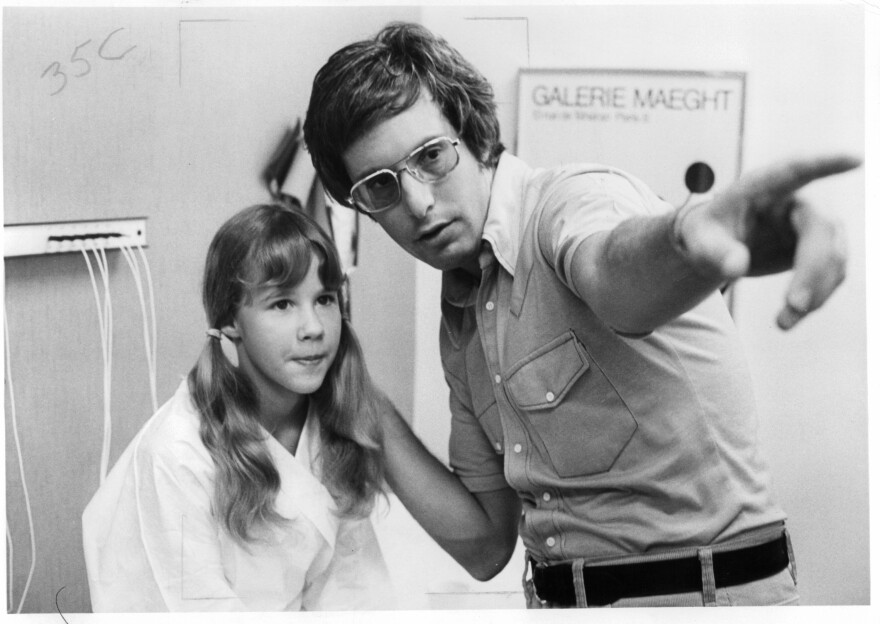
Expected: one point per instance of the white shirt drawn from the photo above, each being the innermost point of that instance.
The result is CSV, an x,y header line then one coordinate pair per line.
x,y
152,543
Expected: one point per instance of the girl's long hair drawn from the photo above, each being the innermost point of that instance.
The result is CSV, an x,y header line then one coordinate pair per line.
x,y
272,245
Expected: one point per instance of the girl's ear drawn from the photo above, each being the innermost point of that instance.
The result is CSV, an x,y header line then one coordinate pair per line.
x,y
231,330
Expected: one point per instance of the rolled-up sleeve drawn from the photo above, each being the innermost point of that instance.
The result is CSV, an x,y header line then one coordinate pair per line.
x,y
588,203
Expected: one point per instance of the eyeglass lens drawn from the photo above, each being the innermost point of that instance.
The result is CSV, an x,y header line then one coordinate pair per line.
x,y
428,164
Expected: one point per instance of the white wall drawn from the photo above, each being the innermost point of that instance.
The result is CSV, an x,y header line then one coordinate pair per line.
x,y
805,67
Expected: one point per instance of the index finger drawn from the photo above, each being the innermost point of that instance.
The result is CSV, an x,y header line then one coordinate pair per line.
x,y
789,176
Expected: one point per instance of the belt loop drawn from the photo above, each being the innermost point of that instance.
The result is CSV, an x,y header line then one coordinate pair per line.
x,y
577,577
532,599
708,571
791,564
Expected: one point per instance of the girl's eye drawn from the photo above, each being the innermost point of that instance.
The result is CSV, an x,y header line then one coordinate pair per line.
x,y
282,304
327,300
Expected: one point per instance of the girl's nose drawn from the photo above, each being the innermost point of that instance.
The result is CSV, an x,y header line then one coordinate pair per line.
x,y
417,196
311,327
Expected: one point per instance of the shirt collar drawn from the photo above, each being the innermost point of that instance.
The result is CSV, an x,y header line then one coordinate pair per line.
x,y
501,231
502,227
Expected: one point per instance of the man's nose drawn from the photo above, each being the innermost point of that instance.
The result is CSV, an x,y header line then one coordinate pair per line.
x,y
417,196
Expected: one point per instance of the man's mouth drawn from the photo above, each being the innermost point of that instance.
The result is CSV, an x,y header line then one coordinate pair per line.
x,y
430,233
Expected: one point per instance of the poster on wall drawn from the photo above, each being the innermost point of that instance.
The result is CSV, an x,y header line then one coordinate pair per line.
x,y
679,131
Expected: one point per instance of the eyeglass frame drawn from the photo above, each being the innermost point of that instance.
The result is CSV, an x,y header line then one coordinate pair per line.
x,y
396,173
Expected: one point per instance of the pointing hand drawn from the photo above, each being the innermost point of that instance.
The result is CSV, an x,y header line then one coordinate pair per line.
x,y
758,226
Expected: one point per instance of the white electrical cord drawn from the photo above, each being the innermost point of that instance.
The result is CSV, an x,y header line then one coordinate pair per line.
x,y
153,375
101,256
108,363
27,500
105,322
10,557
149,344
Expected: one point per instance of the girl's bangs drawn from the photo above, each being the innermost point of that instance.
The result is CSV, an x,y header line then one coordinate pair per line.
x,y
284,258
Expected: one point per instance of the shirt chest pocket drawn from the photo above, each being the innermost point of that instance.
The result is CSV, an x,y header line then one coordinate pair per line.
x,y
581,421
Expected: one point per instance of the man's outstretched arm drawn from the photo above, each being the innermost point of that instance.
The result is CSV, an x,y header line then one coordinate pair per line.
x,y
649,270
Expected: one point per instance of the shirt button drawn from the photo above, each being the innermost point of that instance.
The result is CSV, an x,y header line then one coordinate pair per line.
x,y
490,306
517,448
546,496
550,396
497,378
551,542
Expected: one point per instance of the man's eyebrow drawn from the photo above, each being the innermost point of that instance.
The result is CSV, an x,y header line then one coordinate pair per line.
x,y
417,146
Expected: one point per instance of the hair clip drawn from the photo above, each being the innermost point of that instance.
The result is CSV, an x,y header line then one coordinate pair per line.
x,y
226,345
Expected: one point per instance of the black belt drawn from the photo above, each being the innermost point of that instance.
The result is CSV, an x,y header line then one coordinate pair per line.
x,y
606,584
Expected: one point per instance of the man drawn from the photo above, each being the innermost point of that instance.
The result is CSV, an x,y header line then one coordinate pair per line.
x,y
600,403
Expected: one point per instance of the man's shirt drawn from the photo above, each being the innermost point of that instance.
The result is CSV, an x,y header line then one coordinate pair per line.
x,y
617,445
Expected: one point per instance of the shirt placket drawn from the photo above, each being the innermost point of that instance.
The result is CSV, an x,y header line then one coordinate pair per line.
x,y
492,302
487,325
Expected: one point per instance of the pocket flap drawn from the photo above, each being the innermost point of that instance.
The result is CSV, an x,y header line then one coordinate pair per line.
x,y
541,379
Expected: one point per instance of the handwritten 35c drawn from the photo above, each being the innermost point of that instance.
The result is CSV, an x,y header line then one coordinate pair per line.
x,y
79,63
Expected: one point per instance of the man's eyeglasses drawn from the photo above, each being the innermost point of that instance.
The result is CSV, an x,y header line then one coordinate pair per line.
x,y
431,162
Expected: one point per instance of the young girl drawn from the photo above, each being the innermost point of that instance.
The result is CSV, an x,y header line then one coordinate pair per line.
x,y
249,490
